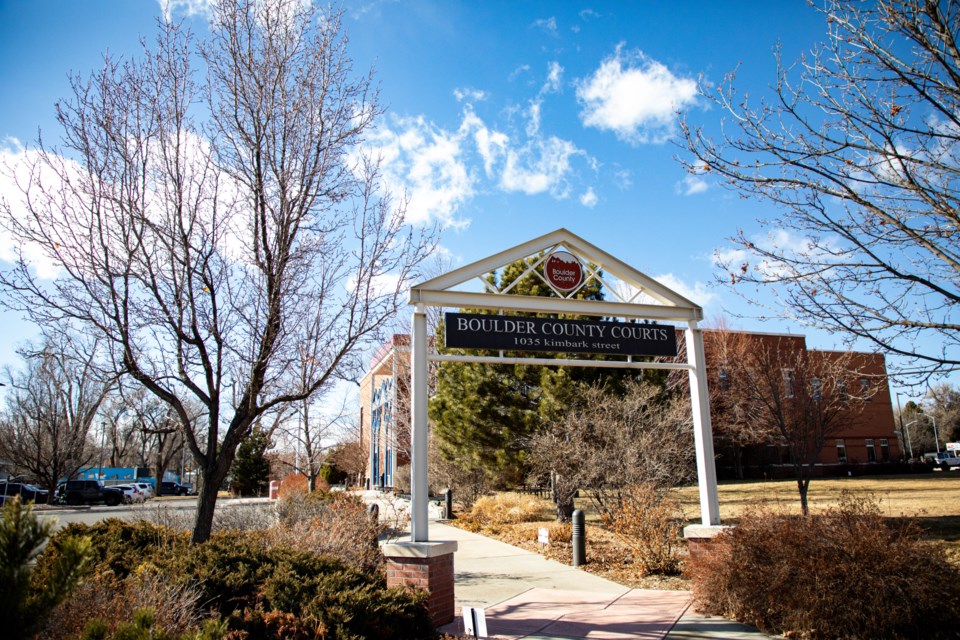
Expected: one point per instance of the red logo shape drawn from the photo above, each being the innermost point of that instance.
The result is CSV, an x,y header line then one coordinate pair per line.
x,y
564,271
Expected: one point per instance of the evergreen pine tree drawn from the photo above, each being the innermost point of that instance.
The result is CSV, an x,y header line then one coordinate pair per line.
x,y
251,468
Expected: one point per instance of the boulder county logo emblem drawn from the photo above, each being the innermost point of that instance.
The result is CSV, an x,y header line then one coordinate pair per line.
x,y
564,271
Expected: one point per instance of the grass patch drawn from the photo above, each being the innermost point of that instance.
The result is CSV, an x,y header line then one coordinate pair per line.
x,y
933,500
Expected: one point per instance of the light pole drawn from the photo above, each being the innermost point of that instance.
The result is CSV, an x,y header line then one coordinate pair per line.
x,y
103,446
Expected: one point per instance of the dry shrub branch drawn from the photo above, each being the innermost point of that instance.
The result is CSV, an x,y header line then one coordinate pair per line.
x,y
846,573
649,522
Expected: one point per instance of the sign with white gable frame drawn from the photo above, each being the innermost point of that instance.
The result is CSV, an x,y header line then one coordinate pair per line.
x,y
635,307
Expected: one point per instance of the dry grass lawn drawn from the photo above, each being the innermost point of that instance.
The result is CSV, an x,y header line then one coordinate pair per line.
x,y
933,499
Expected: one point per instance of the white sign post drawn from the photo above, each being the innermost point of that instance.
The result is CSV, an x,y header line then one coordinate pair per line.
x,y
474,622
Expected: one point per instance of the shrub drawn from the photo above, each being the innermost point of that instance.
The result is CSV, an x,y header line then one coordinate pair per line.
x,y
843,574
107,604
249,581
28,595
293,484
649,521
336,524
401,479
143,627
260,585
120,547
507,508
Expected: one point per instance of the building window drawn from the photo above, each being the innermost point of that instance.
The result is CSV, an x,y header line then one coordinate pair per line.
x,y
841,452
788,383
817,389
865,389
884,449
842,391
871,452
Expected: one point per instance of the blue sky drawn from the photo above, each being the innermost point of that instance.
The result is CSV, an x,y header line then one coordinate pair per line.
x,y
505,120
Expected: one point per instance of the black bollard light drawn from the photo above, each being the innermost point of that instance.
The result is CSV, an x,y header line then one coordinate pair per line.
x,y
374,510
448,504
579,538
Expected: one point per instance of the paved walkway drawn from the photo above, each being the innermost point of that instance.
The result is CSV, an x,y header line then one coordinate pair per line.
x,y
525,595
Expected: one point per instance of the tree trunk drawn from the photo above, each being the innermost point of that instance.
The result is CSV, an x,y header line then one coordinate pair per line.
x,y
159,467
211,479
803,485
565,505
206,505
738,460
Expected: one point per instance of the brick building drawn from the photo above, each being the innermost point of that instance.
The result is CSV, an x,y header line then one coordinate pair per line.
x,y
864,434
864,441
385,411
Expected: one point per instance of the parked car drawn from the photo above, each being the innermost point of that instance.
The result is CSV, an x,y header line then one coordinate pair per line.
x,y
131,493
146,488
27,492
77,492
173,489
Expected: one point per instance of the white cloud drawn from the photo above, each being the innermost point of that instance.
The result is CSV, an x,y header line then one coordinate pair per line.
x,y
623,178
691,185
468,94
186,8
60,196
699,293
533,117
547,25
539,166
635,97
425,162
519,71
776,242
15,163
589,198
554,78
432,164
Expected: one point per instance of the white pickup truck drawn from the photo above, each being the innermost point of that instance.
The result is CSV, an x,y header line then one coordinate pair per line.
x,y
946,460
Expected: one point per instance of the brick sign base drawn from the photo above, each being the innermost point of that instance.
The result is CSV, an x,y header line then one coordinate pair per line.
x,y
699,537
425,565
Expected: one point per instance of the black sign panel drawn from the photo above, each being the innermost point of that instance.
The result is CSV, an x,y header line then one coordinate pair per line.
x,y
513,333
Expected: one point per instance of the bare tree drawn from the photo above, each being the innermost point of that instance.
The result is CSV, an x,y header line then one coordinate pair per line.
x,y
734,429
858,148
159,430
942,405
796,397
202,252
50,410
123,441
607,443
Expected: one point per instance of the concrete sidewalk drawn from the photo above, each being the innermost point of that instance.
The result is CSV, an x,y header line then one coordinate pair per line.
x,y
525,595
